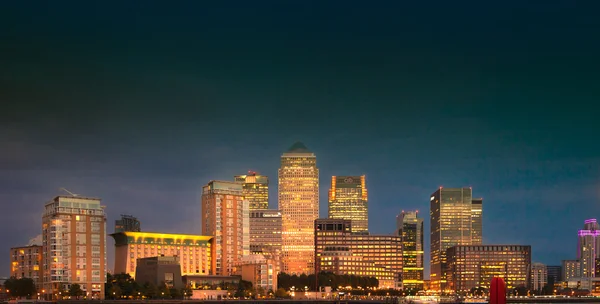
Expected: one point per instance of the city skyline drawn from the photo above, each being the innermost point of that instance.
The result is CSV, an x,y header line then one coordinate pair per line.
x,y
499,97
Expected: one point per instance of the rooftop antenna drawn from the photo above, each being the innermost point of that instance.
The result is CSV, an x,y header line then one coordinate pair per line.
x,y
65,190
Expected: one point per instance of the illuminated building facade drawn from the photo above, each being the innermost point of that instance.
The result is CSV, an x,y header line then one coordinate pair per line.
x,y
588,248
260,271
571,269
26,262
382,250
471,266
226,215
255,189
451,225
74,245
410,230
348,200
298,193
127,223
265,232
477,223
341,261
193,251
539,276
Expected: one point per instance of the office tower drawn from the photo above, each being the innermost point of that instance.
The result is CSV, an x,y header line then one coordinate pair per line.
x,y
348,200
342,261
26,262
194,251
554,274
74,245
451,225
410,230
299,204
588,248
382,250
265,232
225,215
471,266
127,223
255,189
539,276
571,269
477,225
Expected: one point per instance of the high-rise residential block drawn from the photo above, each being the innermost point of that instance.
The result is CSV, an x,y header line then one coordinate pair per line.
x,y
571,269
588,248
348,200
225,215
255,188
127,223
26,262
74,245
451,225
477,223
472,266
539,276
410,230
298,193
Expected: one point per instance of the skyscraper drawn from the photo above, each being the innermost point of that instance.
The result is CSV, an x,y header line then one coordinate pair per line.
x,y
255,189
476,216
588,248
74,245
225,215
298,193
410,229
451,225
348,200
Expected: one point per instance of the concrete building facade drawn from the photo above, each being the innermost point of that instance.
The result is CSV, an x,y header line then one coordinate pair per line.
x,y
74,245
226,216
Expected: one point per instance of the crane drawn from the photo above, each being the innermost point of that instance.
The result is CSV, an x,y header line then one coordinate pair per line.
x,y
65,190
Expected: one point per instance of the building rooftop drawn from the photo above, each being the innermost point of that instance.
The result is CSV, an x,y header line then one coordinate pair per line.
x,y
298,147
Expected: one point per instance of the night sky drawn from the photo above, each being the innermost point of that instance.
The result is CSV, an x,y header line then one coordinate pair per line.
x,y
142,104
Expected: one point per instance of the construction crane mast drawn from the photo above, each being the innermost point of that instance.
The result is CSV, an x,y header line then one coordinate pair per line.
x,y
71,193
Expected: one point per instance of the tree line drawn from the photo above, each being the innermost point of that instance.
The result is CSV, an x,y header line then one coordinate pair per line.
x,y
25,288
287,281
119,286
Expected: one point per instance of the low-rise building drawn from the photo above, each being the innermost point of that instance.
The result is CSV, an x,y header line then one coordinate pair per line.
x,y
26,262
261,271
472,266
159,270
340,261
193,251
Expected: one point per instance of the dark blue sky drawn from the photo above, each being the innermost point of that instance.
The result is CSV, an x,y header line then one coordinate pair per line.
x,y
141,104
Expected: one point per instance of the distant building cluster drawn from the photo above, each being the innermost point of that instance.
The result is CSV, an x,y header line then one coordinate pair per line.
x,y
242,238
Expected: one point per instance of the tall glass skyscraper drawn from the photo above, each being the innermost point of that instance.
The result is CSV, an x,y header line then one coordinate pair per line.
x,y
476,217
451,225
410,229
348,200
588,248
255,189
298,193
